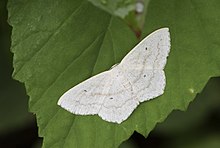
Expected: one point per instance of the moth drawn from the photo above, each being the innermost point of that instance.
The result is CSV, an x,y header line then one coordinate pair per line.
x,y
114,94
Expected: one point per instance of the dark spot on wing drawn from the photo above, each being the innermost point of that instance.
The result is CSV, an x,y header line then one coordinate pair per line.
x,y
144,75
85,90
146,48
111,98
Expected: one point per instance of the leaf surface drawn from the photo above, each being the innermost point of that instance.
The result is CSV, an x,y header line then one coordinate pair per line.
x,y
59,44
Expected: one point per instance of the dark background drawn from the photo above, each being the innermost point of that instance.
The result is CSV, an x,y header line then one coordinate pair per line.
x,y
198,127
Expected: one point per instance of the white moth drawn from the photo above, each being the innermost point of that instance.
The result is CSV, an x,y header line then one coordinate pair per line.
x,y
114,94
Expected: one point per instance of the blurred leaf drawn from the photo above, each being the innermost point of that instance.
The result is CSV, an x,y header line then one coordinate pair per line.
x,y
37,144
59,44
119,8
136,19
200,141
180,122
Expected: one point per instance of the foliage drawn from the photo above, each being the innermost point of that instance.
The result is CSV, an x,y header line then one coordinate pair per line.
x,y
57,44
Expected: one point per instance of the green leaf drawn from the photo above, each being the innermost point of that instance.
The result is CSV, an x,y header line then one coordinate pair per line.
x,y
57,44
13,100
53,54
194,56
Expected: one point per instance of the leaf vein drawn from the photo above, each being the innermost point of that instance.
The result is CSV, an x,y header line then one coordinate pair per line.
x,y
48,40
